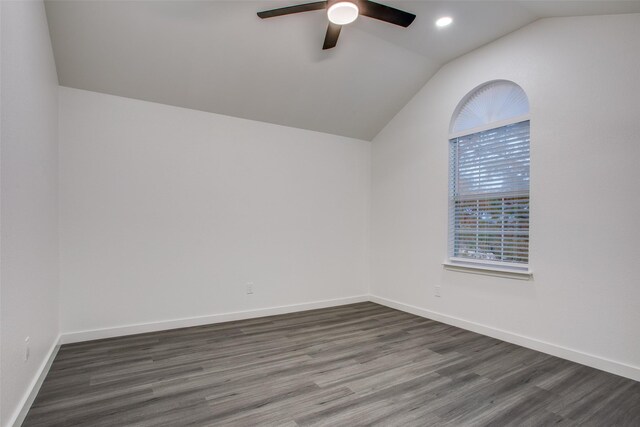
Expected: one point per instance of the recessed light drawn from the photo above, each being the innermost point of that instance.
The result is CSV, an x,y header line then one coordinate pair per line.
x,y
444,21
343,13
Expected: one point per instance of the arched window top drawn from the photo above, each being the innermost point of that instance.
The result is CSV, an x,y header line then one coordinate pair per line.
x,y
497,102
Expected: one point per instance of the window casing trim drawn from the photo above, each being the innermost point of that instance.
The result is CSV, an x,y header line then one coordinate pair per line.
x,y
493,125
487,268
480,266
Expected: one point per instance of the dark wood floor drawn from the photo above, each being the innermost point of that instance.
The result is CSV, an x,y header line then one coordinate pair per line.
x,y
359,364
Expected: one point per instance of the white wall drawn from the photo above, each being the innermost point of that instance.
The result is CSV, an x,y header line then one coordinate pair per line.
x,y
166,213
582,79
29,189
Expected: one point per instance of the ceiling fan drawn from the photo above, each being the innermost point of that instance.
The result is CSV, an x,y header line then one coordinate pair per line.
x,y
341,12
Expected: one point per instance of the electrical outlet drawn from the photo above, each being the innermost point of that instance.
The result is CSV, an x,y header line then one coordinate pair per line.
x,y
249,288
438,290
26,349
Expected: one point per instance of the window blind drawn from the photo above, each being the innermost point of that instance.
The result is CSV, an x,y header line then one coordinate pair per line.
x,y
489,195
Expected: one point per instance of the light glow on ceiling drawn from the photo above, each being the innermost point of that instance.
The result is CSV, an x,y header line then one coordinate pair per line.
x,y
343,13
444,21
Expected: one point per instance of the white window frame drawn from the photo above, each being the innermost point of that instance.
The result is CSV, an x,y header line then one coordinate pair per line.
x,y
480,266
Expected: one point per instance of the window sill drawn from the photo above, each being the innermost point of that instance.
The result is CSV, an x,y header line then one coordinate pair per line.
x,y
488,270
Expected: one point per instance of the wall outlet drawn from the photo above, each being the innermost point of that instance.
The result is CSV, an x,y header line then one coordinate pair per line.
x,y
438,291
249,288
26,349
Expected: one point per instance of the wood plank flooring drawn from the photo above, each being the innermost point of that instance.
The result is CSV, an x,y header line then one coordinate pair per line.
x,y
359,364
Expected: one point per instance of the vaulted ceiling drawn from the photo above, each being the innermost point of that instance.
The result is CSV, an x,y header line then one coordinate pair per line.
x,y
218,56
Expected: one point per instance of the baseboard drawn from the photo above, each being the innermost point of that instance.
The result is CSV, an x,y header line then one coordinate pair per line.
x,y
628,371
79,336
34,387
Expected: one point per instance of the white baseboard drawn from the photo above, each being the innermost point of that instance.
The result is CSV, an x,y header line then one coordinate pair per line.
x,y
79,336
604,364
21,411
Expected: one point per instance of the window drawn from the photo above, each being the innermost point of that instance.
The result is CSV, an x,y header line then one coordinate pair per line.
x,y
489,180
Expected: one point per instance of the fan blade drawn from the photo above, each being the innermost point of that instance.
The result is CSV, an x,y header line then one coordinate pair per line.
x,y
308,7
386,13
331,39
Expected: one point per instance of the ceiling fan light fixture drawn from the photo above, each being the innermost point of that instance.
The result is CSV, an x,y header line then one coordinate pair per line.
x,y
342,13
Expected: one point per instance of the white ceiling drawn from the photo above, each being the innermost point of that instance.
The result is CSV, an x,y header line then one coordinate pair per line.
x,y
218,56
